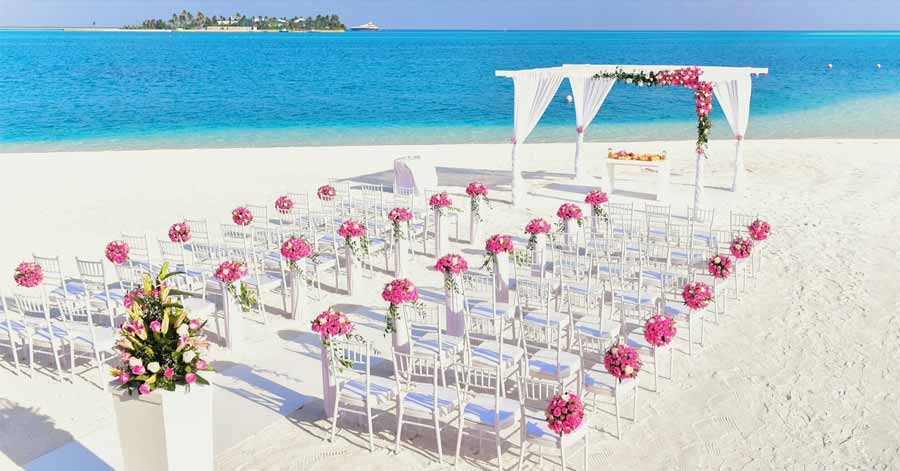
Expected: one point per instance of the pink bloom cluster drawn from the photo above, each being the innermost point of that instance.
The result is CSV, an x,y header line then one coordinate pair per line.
x,y
537,226
565,413
351,228
400,291
180,232
284,204
136,294
117,252
596,198
689,77
28,275
697,295
569,211
398,215
242,216
659,330
295,248
451,263
759,230
331,323
230,271
741,247
499,243
720,266
476,189
326,193
622,361
440,200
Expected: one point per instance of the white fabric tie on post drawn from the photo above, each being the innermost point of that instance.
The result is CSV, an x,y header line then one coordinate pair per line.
x,y
698,179
734,98
589,94
533,92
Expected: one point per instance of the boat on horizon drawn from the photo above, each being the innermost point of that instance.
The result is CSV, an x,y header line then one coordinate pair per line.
x,y
370,26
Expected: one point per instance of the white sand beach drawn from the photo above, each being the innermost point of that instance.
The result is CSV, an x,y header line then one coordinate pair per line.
x,y
801,374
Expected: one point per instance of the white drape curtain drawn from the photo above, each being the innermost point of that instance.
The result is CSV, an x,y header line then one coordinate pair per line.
x,y
588,94
533,93
734,98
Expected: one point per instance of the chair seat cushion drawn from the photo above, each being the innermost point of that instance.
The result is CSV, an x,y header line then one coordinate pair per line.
x,y
380,390
427,344
480,307
267,282
598,381
488,354
610,330
14,326
543,319
480,410
43,333
81,337
421,400
199,308
543,365
538,432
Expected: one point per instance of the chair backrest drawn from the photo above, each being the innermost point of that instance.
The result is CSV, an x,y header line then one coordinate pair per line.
x,y
482,380
358,356
138,248
130,276
408,367
93,275
53,275
260,214
173,251
701,219
740,222
535,393
33,307
199,230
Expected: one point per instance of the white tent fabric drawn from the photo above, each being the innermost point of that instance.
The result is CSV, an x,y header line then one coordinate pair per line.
x,y
412,172
588,94
533,93
734,99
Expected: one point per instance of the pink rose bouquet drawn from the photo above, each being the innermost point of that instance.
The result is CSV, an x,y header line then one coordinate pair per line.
x,y
496,244
331,324
697,295
180,232
741,247
117,252
397,293
440,202
229,273
759,230
720,266
477,193
535,227
565,413
326,193
354,234
28,275
399,216
241,216
596,198
284,204
294,249
450,265
570,211
622,361
659,330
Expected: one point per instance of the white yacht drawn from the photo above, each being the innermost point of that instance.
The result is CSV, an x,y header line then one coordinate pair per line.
x,y
366,27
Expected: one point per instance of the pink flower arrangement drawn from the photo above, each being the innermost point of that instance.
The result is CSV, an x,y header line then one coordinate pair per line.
x,y
242,216
351,228
137,295
565,413
596,198
451,264
117,252
622,361
326,193
476,189
440,201
659,330
180,232
697,295
741,247
398,292
477,192
331,323
720,266
537,226
498,243
230,271
569,211
28,275
295,248
759,230
284,204
398,215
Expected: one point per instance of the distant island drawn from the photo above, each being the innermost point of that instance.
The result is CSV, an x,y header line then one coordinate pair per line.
x,y
186,21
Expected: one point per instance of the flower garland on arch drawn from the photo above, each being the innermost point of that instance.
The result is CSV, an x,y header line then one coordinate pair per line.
x,y
688,77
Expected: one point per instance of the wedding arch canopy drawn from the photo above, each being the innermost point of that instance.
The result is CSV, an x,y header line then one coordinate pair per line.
x,y
534,89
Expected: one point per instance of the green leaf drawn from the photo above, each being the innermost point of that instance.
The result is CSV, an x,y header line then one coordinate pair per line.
x,y
163,271
170,275
202,380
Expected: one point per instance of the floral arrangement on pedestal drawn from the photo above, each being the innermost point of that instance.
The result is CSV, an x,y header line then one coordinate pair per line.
x,y
284,204
354,234
565,413
441,203
477,193
535,227
697,295
450,265
720,266
659,330
397,293
180,232
117,252
28,275
622,361
399,216
759,230
596,199
241,216
160,346
688,77
330,324
326,193
496,244
567,212
230,273
294,249
741,247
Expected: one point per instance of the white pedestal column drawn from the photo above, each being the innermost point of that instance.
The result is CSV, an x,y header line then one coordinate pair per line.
x,y
474,229
328,388
234,320
354,269
400,336
570,232
501,277
401,254
165,431
298,295
441,235
456,322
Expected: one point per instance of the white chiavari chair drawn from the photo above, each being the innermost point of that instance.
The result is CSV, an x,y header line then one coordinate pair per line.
x,y
407,198
43,334
621,220
15,330
740,226
545,357
535,395
428,335
199,231
599,383
175,254
453,217
486,413
263,282
343,204
86,340
638,341
657,220
139,252
673,306
702,222
97,291
55,281
326,249
487,348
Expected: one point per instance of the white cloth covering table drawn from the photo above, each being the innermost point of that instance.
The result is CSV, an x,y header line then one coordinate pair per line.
x,y
413,172
662,167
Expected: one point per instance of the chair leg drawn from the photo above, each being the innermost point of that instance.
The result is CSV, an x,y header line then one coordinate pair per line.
x,y
71,362
15,353
437,434
31,357
334,416
634,407
499,450
522,448
618,418
586,445
562,453
369,423
690,336
655,371
459,434
56,360
399,429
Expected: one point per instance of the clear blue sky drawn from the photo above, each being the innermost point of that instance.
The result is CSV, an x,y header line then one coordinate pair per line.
x,y
486,14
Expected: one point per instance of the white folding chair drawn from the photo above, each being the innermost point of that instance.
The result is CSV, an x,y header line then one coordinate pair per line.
x,y
535,395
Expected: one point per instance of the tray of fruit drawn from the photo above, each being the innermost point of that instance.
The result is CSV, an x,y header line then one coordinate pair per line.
x,y
623,155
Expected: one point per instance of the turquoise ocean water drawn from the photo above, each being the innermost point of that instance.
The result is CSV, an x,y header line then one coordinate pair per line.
x,y
86,91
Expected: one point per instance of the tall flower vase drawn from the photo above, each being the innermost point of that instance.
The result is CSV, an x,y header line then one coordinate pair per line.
x,y
441,235
597,224
329,392
401,254
298,296
570,232
165,431
456,322
400,336
354,269
474,228
234,319
501,276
